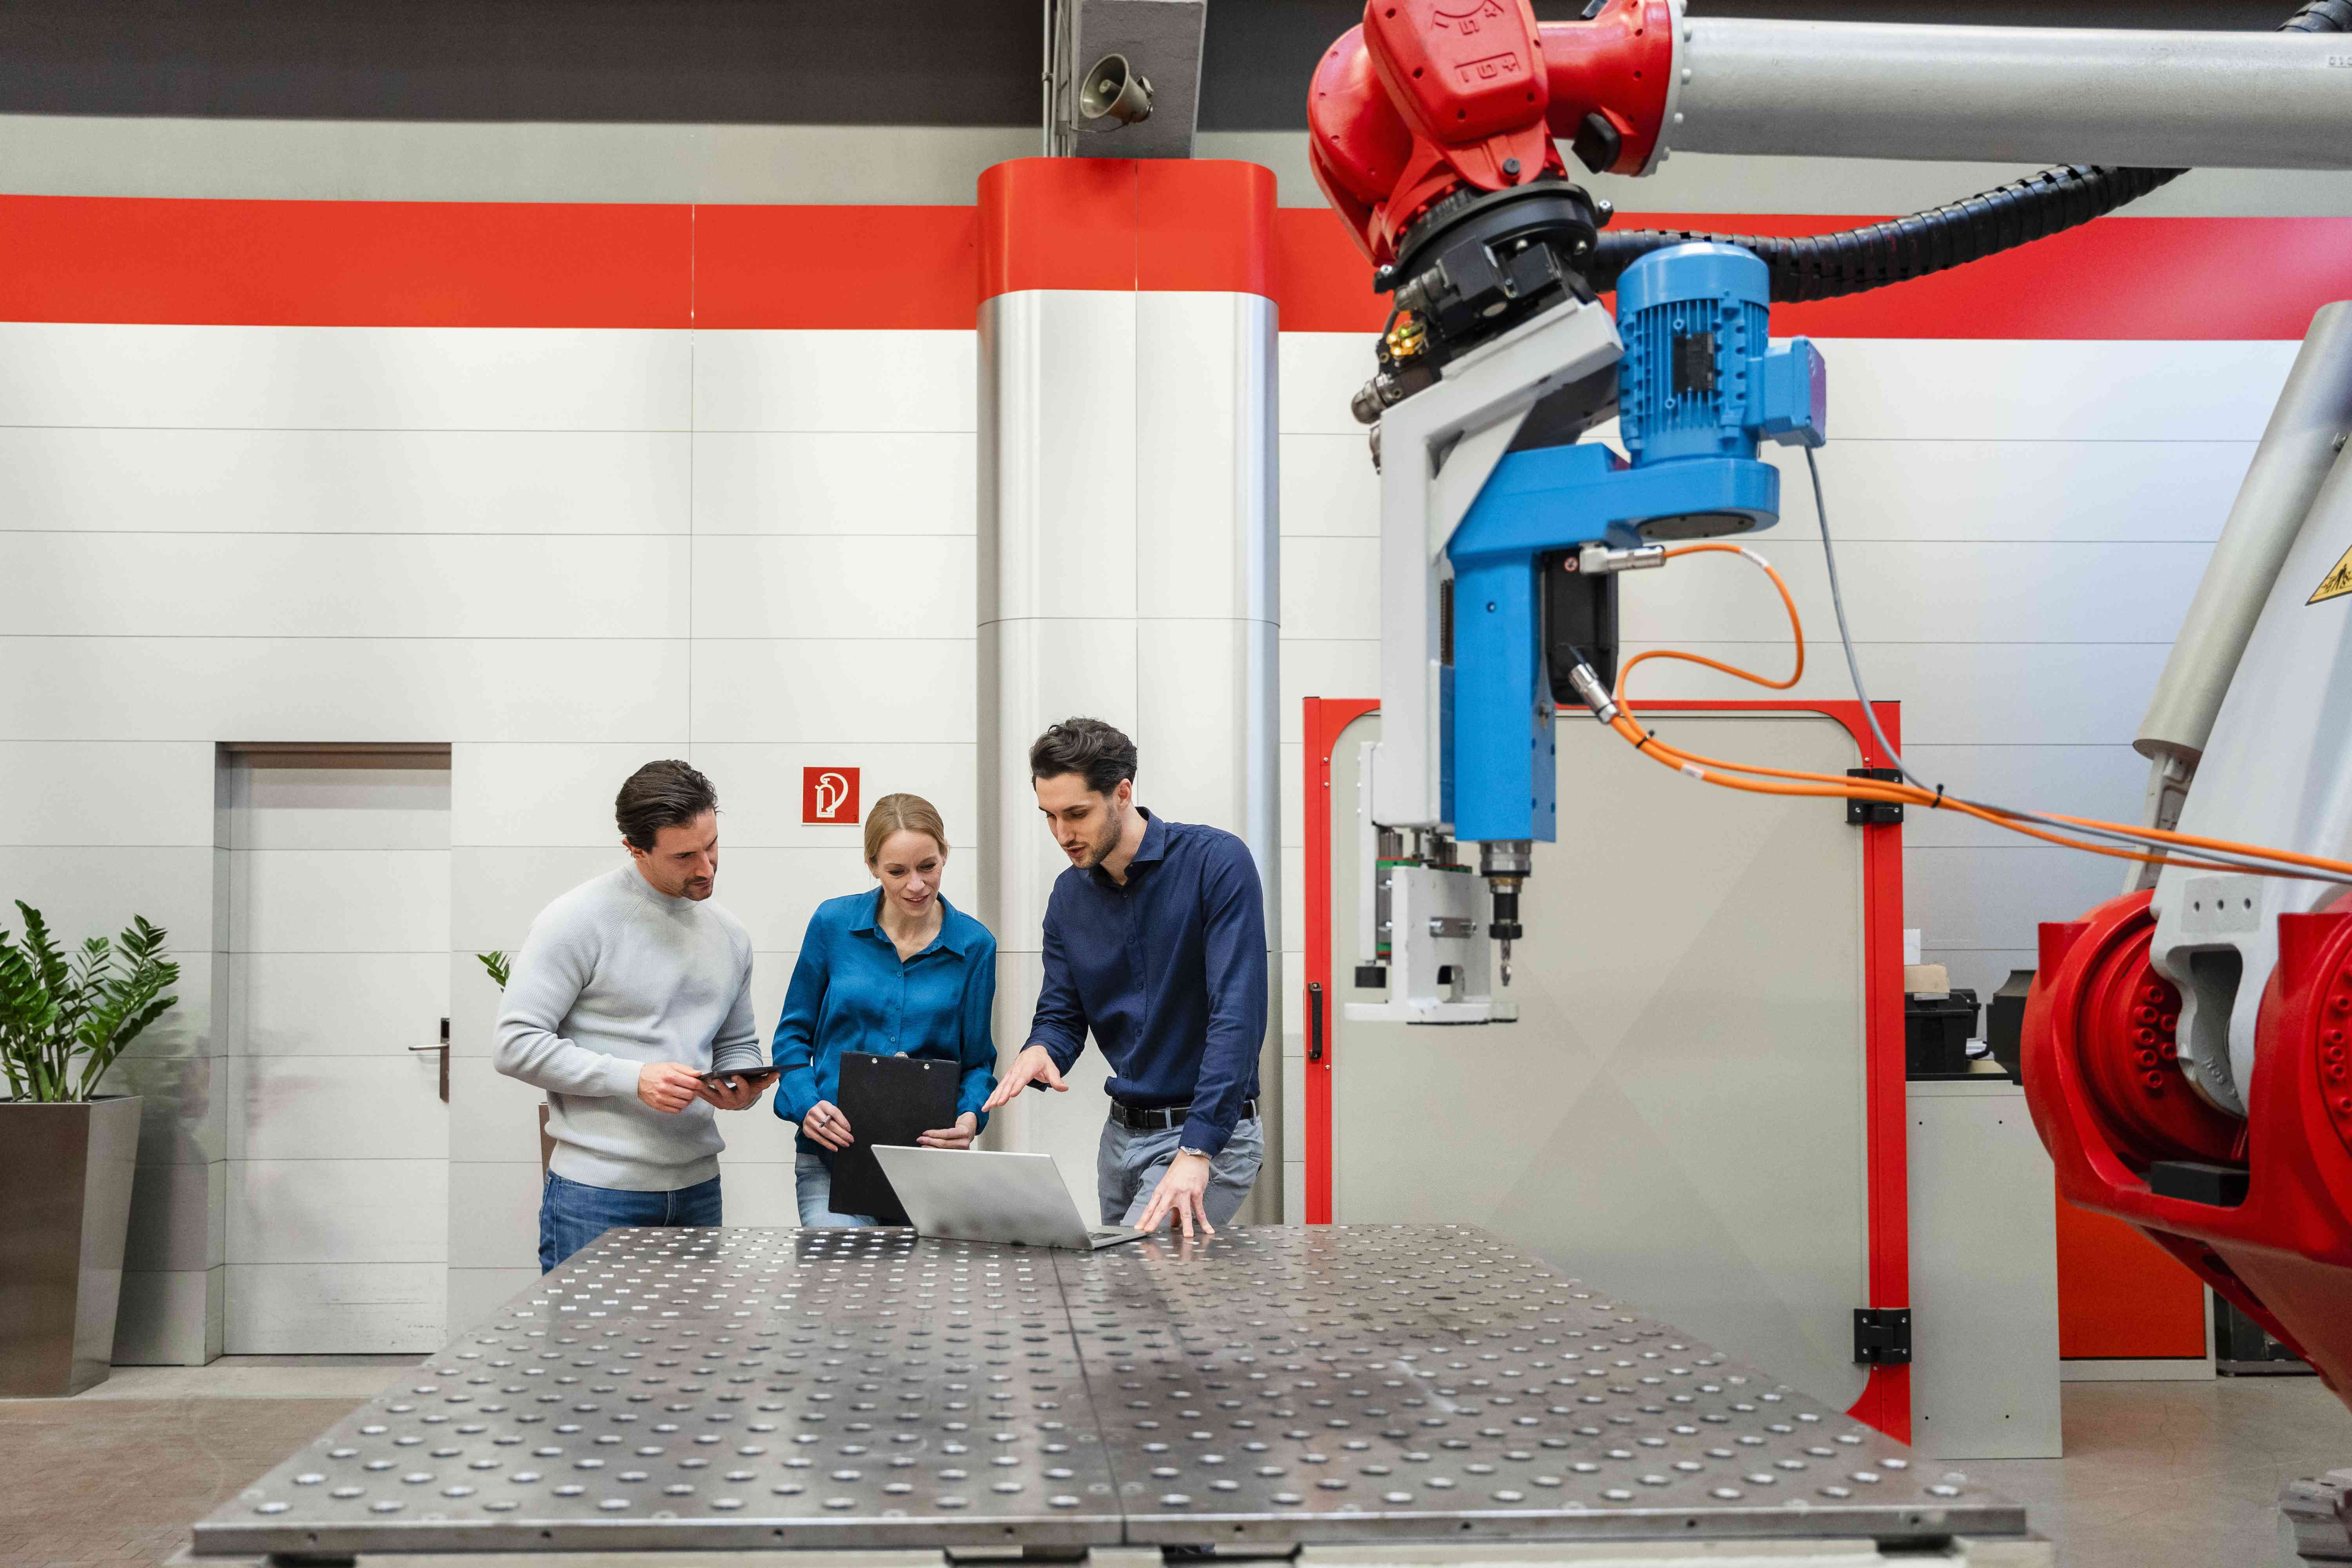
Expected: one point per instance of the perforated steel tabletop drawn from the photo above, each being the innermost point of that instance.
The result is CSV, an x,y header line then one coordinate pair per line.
x,y
765,1388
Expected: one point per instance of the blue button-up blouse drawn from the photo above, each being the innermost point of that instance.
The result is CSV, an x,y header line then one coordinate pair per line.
x,y
850,992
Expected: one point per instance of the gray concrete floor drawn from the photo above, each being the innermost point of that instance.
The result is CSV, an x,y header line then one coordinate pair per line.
x,y
2158,1475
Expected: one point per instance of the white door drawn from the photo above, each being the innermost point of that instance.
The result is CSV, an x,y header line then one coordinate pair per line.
x,y
1678,1115
339,983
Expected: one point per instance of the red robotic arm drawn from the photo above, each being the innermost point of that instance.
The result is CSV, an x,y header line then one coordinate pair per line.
x,y
1431,97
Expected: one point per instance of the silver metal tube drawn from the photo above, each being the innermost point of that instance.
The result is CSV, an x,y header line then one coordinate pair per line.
x,y
2026,95
2298,448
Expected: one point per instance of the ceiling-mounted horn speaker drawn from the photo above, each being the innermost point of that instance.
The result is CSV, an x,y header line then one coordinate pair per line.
x,y
1114,92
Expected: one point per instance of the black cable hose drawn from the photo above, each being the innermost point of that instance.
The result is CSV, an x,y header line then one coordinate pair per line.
x,y
1825,266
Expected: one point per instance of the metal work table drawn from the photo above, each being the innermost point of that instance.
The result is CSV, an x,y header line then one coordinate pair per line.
x,y
742,1389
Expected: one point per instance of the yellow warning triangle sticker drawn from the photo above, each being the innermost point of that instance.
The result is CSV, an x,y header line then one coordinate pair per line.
x,y
2337,583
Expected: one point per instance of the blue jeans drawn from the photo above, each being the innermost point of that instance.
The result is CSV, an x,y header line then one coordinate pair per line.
x,y
1129,1165
572,1214
812,1184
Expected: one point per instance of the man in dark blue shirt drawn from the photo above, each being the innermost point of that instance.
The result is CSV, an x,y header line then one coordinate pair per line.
x,y
1155,940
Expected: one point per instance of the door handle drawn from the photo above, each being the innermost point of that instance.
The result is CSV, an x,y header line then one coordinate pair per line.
x,y
444,1049
1314,1020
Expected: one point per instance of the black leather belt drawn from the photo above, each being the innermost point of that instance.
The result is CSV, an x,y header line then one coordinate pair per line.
x,y
1153,1118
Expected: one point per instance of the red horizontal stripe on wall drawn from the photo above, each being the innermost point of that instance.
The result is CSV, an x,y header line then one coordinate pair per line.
x,y
1203,225
344,263
2120,277
836,267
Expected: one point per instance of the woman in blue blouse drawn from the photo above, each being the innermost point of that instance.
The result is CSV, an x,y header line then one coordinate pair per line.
x,y
897,971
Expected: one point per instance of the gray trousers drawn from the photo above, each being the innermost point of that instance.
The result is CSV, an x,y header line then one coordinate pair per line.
x,y
1129,1165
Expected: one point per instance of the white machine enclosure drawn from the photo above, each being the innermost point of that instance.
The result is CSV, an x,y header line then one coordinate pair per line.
x,y
2276,771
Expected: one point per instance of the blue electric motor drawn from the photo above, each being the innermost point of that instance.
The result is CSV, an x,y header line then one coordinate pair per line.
x,y
1700,384
1700,377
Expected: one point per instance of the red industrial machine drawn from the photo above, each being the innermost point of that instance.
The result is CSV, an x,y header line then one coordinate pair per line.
x,y
2189,1046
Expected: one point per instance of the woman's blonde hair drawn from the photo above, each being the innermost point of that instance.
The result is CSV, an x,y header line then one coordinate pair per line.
x,y
902,813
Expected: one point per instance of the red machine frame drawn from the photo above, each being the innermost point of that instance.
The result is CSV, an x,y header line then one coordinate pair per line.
x,y
1886,1402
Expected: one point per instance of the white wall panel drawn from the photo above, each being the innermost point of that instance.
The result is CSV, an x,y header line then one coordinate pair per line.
x,y
113,793
177,1217
1999,898
774,890
2023,490
1328,485
759,1194
760,791
1331,587
342,689
344,378
497,890
468,482
300,1308
878,586
184,1115
494,1224
800,380
290,1105
1294,901
340,586
85,892
338,1211
548,793
1991,389
340,901
1318,373
1952,694
839,482
772,977
1913,592
473,1006
493,1119
1319,666
758,1141
336,808
476,1293
2106,782
842,689
169,1318
328,586
1294,809
338,1003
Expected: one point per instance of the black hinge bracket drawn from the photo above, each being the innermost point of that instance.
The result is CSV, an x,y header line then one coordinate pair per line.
x,y
1882,1335
1874,813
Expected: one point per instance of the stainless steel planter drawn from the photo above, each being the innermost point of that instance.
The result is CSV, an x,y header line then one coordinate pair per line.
x,y
65,1205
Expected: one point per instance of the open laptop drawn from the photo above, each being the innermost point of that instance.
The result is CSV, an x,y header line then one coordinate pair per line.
x,y
972,1194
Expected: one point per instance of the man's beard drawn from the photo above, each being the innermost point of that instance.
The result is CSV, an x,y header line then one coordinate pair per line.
x,y
1099,849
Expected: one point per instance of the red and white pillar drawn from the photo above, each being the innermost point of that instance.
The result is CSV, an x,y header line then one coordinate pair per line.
x,y
1127,568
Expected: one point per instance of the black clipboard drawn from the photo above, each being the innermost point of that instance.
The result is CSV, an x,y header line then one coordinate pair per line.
x,y
888,1100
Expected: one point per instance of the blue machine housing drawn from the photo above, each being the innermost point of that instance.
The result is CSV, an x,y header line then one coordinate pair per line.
x,y
1700,385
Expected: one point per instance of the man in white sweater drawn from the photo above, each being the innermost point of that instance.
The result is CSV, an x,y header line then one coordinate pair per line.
x,y
630,988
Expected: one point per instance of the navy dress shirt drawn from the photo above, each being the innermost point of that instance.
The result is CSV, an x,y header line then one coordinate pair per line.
x,y
1168,970
851,991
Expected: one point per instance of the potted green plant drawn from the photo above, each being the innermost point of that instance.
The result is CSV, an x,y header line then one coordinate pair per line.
x,y
66,1152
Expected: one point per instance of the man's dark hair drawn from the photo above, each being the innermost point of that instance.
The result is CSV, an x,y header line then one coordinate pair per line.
x,y
659,796
1100,754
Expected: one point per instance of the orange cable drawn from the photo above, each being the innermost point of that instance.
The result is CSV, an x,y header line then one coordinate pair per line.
x,y
1833,786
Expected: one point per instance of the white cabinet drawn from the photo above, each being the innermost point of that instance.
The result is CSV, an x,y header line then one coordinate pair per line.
x,y
1984,1275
